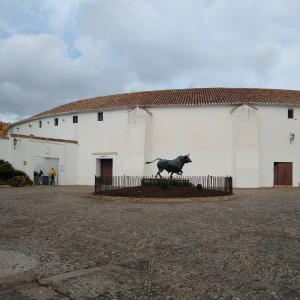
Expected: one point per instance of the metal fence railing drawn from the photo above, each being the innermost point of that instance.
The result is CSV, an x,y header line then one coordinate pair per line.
x,y
147,186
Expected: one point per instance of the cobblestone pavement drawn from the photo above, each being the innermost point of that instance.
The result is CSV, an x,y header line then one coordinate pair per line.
x,y
60,243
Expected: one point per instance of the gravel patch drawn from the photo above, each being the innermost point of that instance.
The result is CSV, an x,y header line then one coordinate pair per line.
x,y
73,246
13,263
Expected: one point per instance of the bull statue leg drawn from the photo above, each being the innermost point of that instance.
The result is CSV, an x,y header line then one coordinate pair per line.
x,y
180,172
171,175
158,173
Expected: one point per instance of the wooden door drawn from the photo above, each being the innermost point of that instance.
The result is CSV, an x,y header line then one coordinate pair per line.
x,y
283,173
106,171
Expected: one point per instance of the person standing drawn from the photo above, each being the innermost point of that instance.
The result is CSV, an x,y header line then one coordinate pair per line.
x,y
52,175
41,176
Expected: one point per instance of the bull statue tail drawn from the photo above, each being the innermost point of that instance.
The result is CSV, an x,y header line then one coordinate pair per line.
x,y
150,162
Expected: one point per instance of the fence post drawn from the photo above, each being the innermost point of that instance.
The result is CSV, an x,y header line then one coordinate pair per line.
x,y
228,184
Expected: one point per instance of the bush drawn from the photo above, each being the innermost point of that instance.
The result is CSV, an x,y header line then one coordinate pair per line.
x,y
7,172
17,181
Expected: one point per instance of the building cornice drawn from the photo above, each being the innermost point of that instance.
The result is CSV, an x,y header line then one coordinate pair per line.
x,y
33,137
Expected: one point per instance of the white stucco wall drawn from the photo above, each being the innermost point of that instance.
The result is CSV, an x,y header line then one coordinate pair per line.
x,y
245,147
101,139
136,142
244,142
5,149
204,132
274,140
66,129
28,154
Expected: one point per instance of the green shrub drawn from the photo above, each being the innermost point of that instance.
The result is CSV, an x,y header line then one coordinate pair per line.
x,y
17,181
7,172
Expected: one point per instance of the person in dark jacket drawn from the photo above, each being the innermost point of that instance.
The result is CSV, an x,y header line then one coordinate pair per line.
x,y
41,176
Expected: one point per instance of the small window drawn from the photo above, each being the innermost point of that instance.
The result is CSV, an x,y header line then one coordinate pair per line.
x,y
100,116
40,124
290,113
75,119
56,122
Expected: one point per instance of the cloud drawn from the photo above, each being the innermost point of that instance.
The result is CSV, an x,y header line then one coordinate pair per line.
x,y
56,51
210,42
37,72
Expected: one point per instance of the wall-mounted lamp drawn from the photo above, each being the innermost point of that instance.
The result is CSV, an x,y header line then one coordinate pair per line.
x,y
292,137
15,142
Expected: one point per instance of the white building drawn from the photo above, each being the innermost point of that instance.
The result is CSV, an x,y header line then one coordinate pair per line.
x,y
251,134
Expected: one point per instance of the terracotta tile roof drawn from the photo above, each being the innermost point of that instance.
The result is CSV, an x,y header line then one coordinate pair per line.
x,y
179,97
182,97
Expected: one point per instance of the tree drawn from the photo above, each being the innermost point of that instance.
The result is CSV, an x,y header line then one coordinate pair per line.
x,y
7,172
3,127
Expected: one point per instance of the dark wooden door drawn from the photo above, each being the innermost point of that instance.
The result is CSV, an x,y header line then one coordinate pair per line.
x,y
106,168
283,173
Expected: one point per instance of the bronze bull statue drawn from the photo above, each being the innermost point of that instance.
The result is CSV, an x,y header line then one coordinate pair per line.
x,y
171,166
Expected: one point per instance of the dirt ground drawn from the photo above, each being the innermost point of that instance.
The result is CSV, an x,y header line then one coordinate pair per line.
x,y
61,243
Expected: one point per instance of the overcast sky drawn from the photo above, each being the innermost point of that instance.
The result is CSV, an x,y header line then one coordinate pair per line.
x,y
56,51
